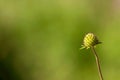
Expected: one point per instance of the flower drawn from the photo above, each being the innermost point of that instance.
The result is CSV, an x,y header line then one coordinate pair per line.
x,y
90,40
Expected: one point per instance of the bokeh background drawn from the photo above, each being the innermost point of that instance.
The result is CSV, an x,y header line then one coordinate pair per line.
x,y
40,39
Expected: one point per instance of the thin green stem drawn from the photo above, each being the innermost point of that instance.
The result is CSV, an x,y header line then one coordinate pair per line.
x,y
97,62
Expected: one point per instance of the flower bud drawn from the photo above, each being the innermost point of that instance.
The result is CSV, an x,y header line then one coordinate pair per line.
x,y
90,40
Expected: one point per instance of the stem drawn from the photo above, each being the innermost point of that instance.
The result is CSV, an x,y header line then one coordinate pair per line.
x,y
97,62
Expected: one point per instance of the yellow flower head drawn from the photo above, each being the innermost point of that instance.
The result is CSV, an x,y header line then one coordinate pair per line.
x,y
90,40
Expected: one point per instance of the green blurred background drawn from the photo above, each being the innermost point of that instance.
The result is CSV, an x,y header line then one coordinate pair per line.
x,y
40,39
